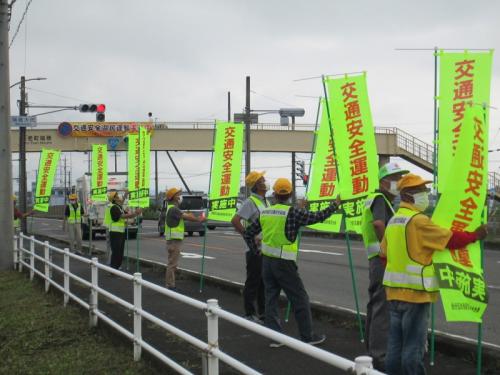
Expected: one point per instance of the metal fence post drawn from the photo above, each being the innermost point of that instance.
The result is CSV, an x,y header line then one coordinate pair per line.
x,y
93,292
21,252
46,265
137,315
362,364
66,276
32,257
212,336
16,252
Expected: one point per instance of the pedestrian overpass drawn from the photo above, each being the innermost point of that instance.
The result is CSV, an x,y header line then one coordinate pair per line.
x,y
198,136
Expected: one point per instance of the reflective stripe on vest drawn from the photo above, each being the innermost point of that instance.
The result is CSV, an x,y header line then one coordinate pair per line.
x,y
75,215
370,239
274,241
402,271
174,233
117,226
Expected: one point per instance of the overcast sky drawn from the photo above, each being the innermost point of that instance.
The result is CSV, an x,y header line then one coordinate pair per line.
x,y
178,59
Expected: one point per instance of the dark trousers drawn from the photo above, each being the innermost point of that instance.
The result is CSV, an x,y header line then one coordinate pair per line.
x,y
117,243
281,274
377,314
254,285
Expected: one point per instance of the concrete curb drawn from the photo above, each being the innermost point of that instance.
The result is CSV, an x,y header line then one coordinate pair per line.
x,y
448,344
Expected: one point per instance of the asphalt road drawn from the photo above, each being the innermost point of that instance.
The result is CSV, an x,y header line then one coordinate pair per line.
x,y
323,265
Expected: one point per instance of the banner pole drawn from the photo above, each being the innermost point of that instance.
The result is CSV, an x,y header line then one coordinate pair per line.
x,y
435,183
204,248
137,246
299,235
353,276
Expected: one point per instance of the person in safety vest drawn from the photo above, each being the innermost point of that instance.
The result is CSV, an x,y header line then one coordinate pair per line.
x,y
377,212
73,214
410,240
174,232
18,215
248,213
117,227
280,225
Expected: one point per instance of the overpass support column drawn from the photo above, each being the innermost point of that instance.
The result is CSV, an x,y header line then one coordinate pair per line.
x,y
383,159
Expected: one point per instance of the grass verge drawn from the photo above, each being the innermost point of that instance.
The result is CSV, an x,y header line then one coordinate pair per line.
x,y
40,336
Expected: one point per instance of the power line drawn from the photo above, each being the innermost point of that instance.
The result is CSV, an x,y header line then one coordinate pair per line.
x,y
272,99
20,23
58,95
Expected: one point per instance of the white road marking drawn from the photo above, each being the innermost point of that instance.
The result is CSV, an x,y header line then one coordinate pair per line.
x,y
494,287
319,252
194,256
231,234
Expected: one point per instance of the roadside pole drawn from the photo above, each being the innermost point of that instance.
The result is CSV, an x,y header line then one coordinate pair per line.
x,y
6,213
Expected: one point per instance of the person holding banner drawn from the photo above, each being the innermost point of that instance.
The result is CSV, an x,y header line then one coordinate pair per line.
x,y
376,214
174,232
73,214
249,212
410,240
117,228
18,215
280,226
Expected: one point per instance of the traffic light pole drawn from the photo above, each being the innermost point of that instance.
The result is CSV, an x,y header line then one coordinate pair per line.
x,y
6,213
22,156
247,133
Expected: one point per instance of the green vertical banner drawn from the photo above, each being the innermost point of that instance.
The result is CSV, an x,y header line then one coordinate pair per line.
x,y
463,78
99,183
356,149
323,183
145,148
226,171
47,168
134,171
462,286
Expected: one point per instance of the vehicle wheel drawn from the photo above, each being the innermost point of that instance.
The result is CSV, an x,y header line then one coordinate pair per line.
x,y
211,227
93,235
132,235
202,233
190,234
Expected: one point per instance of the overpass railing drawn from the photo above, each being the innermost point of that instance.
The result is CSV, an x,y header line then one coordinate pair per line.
x,y
25,248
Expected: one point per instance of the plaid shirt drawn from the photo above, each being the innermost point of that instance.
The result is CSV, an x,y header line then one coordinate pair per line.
x,y
297,217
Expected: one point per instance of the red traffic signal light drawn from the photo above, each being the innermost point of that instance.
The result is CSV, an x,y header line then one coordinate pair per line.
x,y
99,108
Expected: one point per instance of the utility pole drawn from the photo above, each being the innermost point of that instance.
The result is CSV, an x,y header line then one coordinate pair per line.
x,y
116,164
229,106
22,155
294,179
6,213
247,133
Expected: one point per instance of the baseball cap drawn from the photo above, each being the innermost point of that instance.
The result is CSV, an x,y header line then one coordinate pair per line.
x,y
172,191
390,169
252,178
282,186
411,180
72,196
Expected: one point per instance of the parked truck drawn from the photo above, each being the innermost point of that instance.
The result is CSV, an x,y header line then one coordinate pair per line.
x,y
117,181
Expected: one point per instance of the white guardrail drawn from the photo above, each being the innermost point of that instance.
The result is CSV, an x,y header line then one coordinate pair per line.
x,y
361,365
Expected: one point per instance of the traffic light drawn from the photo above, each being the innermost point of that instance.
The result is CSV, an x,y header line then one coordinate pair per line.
x,y
91,108
300,169
305,179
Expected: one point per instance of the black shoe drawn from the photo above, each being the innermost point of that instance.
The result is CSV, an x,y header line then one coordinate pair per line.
x,y
316,339
174,289
254,318
276,344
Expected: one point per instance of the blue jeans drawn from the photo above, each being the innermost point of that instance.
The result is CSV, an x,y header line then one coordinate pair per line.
x,y
407,337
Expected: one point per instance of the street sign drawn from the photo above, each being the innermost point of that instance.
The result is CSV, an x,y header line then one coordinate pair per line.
x,y
23,121
240,117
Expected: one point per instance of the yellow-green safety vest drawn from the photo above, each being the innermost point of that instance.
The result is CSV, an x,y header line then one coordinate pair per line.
x,y
117,226
107,216
274,241
370,239
75,215
174,233
260,206
17,223
402,271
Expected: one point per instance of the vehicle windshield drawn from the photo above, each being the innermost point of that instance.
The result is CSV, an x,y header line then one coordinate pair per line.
x,y
191,203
